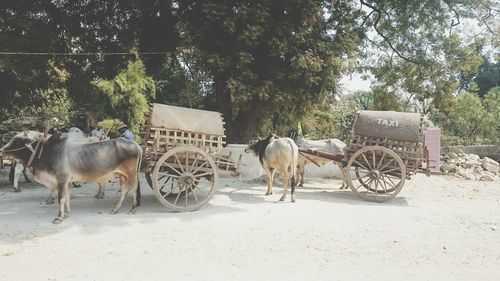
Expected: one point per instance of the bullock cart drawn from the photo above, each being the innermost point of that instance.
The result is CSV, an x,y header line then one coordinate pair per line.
x,y
384,149
184,155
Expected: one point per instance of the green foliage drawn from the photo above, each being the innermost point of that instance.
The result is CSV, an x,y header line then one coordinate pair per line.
x,y
365,99
491,104
385,100
269,57
128,94
265,65
419,55
488,76
470,120
336,121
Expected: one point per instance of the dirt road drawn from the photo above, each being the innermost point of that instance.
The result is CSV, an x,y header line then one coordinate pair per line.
x,y
438,228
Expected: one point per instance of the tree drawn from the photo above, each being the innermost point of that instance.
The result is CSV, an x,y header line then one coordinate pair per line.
x,y
128,94
470,120
491,105
487,77
269,57
417,51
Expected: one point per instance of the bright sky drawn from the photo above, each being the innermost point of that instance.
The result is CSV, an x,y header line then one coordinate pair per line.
x,y
354,82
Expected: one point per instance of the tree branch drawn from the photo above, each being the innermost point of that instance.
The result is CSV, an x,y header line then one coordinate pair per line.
x,y
379,12
457,15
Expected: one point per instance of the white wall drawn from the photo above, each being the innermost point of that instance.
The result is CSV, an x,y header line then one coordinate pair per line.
x,y
250,167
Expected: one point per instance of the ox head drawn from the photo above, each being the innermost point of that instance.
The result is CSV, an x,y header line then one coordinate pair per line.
x,y
20,147
254,146
258,146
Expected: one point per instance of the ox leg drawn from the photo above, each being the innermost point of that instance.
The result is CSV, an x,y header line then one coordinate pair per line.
x,y
52,197
300,174
134,183
67,208
344,175
26,178
123,192
100,191
62,190
286,176
270,179
18,169
12,171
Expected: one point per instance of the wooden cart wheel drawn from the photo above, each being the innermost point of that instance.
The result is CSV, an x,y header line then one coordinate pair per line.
x,y
184,178
376,173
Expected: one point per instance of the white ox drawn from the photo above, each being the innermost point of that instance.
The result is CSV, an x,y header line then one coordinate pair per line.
x,y
334,146
277,154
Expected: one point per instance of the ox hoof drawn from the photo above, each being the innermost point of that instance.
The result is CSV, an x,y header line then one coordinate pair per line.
x,y
17,190
282,198
269,193
49,202
99,196
57,220
113,212
132,211
66,215
301,185
293,200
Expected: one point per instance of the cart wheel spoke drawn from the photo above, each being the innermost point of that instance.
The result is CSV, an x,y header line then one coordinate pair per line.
x,y
380,162
203,175
361,165
386,164
167,175
177,198
194,194
179,163
384,185
390,170
201,166
193,166
174,169
373,159
366,160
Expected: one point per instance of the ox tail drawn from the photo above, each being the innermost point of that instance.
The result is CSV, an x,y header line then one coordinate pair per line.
x,y
139,163
294,168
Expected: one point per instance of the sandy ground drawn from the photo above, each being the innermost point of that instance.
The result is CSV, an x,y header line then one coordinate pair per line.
x,y
438,228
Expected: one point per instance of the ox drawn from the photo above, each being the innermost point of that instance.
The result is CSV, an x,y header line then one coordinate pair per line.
x,y
334,146
58,161
277,154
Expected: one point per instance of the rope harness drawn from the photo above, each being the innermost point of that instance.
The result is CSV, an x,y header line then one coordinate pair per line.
x,y
40,144
38,148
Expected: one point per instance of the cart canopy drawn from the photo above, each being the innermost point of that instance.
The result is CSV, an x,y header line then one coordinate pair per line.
x,y
187,119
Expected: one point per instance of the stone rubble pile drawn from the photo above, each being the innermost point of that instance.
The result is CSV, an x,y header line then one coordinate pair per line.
x,y
470,166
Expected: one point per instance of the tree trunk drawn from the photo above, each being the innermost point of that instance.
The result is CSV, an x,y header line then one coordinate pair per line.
x,y
245,126
224,102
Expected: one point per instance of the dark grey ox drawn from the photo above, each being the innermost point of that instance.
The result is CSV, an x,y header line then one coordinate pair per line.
x,y
60,161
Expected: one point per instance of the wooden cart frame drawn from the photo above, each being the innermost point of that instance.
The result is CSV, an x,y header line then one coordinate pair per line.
x,y
383,150
184,155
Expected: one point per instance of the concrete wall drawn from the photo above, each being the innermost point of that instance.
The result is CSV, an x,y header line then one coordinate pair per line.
x,y
250,167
